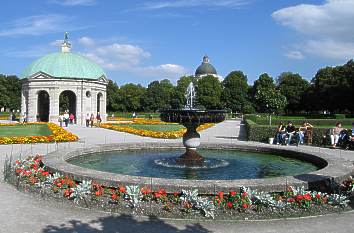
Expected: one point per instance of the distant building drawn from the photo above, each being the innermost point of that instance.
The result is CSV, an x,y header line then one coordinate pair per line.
x,y
206,69
63,81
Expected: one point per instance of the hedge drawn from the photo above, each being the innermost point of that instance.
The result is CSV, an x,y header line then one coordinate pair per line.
x,y
261,133
318,122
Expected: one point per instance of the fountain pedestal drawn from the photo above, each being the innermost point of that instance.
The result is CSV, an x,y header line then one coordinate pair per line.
x,y
191,141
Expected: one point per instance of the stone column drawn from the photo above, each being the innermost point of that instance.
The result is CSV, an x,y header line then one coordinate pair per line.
x,y
23,103
104,106
78,106
32,104
54,104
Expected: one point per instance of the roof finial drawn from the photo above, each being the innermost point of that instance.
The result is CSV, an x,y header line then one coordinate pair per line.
x,y
66,46
205,59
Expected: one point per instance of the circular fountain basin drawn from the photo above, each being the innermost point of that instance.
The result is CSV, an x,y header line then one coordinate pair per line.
x,y
328,168
217,165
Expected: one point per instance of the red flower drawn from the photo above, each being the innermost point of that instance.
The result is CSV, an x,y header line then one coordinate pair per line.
x,y
18,171
230,205
114,197
221,195
232,193
244,194
122,189
157,195
67,192
307,197
45,173
299,197
318,196
145,191
98,193
112,190
291,200
244,206
175,194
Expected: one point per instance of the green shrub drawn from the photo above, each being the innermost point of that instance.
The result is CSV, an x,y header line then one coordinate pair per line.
x,y
339,116
264,120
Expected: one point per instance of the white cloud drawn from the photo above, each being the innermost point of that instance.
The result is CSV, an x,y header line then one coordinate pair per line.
x,y
38,25
171,71
86,41
74,2
329,49
127,57
296,55
327,24
153,5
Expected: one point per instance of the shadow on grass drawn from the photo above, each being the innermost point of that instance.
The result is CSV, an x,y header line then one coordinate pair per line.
x,y
122,224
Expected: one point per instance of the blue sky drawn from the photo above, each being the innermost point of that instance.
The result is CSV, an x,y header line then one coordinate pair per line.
x,y
141,41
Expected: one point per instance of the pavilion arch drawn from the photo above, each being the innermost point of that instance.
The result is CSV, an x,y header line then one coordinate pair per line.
x,y
68,102
43,106
100,102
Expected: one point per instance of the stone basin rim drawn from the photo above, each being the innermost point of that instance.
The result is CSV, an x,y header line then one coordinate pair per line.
x,y
331,168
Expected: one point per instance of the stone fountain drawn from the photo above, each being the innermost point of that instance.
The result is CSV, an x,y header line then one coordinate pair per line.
x,y
191,118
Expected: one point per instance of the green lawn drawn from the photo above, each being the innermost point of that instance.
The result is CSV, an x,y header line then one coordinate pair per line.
x,y
160,128
24,130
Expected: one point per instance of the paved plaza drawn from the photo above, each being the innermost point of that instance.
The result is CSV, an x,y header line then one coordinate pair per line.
x,y
22,212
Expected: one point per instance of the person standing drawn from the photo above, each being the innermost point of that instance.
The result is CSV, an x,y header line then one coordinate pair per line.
x,y
61,119
66,118
98,118
87,120
92,119
71,117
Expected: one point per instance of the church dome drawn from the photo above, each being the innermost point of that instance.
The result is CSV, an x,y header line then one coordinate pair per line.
x,y
65,65
205,68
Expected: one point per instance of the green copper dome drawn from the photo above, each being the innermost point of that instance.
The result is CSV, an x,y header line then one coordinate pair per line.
x,y
205,68
65,65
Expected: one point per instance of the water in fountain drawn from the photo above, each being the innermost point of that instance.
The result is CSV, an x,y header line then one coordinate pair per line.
x,y
190,96
191,118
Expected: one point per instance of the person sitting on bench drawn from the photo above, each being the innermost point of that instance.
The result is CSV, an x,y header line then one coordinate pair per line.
x,y
302,131
289,133
335,134
279,134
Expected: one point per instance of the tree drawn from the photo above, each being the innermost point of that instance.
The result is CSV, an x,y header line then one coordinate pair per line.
x,y
266,96
293,87
235,89
209,92
158,95
130,97
10,92
112,97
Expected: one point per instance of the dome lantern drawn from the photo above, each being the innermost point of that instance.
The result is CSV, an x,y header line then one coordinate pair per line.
x,y
66,45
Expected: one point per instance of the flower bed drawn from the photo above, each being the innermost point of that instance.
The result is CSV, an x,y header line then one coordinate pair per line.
x,y
30,174
148,133
58,135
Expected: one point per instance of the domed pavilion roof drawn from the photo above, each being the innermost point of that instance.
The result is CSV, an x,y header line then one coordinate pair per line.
x,y
205,68
65,65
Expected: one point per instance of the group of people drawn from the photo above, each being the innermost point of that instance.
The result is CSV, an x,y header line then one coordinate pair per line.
x,y
285,133
340,136
90,119
66,118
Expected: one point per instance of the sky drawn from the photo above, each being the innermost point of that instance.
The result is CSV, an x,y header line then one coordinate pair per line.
x,y
142,41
